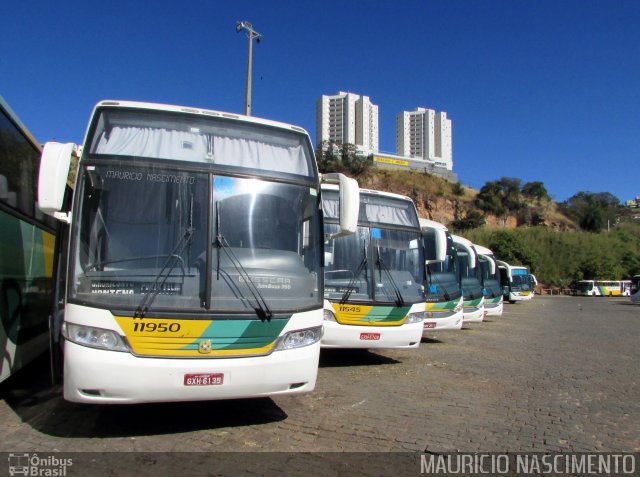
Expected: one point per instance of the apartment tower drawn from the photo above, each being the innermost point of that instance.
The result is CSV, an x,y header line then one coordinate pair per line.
x,y
425,134
348,118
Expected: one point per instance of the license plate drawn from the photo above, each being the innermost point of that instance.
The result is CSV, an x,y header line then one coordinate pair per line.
x,y
208,379
369,336
428,324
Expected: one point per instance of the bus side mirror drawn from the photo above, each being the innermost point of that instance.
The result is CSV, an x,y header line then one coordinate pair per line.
x,y
441,245
349,202
492,266
52,178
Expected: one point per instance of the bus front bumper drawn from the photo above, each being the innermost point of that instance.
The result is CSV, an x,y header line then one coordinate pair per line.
x,y
473,315
109,377
493,309
436,323
336,335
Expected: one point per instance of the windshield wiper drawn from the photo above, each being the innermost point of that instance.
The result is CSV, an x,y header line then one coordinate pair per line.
x,y
382,267
447,296
176,257
363,264
262,308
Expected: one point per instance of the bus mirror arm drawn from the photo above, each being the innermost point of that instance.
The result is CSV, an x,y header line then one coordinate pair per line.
x,y
63,217
429,261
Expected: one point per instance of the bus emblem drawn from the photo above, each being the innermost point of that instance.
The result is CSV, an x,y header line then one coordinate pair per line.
x,y
204,347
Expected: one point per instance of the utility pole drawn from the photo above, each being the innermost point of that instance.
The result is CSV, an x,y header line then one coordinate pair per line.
x,y
251,35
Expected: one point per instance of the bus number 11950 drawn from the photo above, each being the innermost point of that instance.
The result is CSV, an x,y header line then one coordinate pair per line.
x,y
150,326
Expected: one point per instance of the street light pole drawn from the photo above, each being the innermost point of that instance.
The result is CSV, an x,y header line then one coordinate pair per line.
x,y
251,35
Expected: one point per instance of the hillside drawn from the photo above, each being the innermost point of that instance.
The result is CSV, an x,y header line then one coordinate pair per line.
x,y
557,259
444,202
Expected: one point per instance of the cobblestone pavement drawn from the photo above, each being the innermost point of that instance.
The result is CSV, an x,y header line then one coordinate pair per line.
x,y
557,373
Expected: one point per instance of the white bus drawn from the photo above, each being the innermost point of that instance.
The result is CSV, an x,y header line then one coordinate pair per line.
x,y
493,293
27,240
516,282
374,279
604,288
443,295
470,281
195,255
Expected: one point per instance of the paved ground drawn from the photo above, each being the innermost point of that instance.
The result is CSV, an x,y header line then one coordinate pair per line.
x,y
557,373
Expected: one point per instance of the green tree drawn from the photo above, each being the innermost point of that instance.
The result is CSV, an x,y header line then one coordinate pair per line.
x,y
457,189
592,211
489,199
535,190
500,198
508,246
333,156
327,157
473,220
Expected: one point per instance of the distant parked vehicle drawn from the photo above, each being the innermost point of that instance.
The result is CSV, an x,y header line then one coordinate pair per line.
x,y
604,288
516,282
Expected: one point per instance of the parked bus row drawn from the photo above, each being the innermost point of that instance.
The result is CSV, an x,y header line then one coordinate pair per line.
x,y
201,255
198,256
465,281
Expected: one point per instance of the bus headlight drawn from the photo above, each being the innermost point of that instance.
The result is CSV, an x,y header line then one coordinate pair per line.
x,y
329,316
415,317
458,307
94,337
299,338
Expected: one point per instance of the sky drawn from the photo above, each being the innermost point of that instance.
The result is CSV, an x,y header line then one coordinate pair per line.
x,y
540,90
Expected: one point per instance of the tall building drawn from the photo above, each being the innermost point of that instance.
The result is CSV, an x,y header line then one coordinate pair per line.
x,y
425,134
348,118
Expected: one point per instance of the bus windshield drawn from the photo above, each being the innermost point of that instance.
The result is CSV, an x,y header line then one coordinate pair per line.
x,y
193,240
471,284
585,286
444,276
490,280
520,279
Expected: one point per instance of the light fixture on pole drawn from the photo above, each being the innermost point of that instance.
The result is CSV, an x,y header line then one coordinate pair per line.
x,y
251,34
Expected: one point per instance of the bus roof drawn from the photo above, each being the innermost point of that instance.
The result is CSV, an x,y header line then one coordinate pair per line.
x,y
462,240
4,106
432,224
200,111
381,193
482,250
511,267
